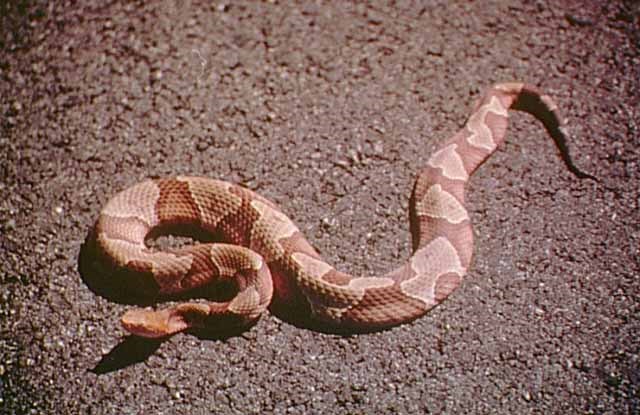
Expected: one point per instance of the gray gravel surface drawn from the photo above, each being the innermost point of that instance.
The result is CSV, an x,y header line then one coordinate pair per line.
x,y
329,109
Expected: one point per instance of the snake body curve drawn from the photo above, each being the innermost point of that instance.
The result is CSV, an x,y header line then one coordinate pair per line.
x,y
265,254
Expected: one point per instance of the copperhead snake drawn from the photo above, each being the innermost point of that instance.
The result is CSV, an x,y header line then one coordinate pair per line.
x,y
265,255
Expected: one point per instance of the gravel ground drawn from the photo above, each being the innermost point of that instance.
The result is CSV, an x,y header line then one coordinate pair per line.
x,y
329,110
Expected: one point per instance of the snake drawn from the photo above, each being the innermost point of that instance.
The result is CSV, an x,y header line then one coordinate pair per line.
x,y
264,257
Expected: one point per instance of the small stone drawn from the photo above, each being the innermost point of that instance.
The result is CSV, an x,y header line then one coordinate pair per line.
x,y
10,225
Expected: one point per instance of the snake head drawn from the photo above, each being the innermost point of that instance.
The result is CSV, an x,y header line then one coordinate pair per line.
x,y
157,324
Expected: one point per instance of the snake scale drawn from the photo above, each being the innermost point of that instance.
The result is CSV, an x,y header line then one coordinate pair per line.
x,y
264,254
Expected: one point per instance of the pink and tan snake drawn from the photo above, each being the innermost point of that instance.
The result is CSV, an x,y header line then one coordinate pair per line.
x,y
265,255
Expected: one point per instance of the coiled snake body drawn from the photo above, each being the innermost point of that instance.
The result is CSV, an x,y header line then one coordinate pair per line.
x,y
266,252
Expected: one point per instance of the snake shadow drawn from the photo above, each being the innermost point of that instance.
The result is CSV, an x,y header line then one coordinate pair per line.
x,y
130,351
133,350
